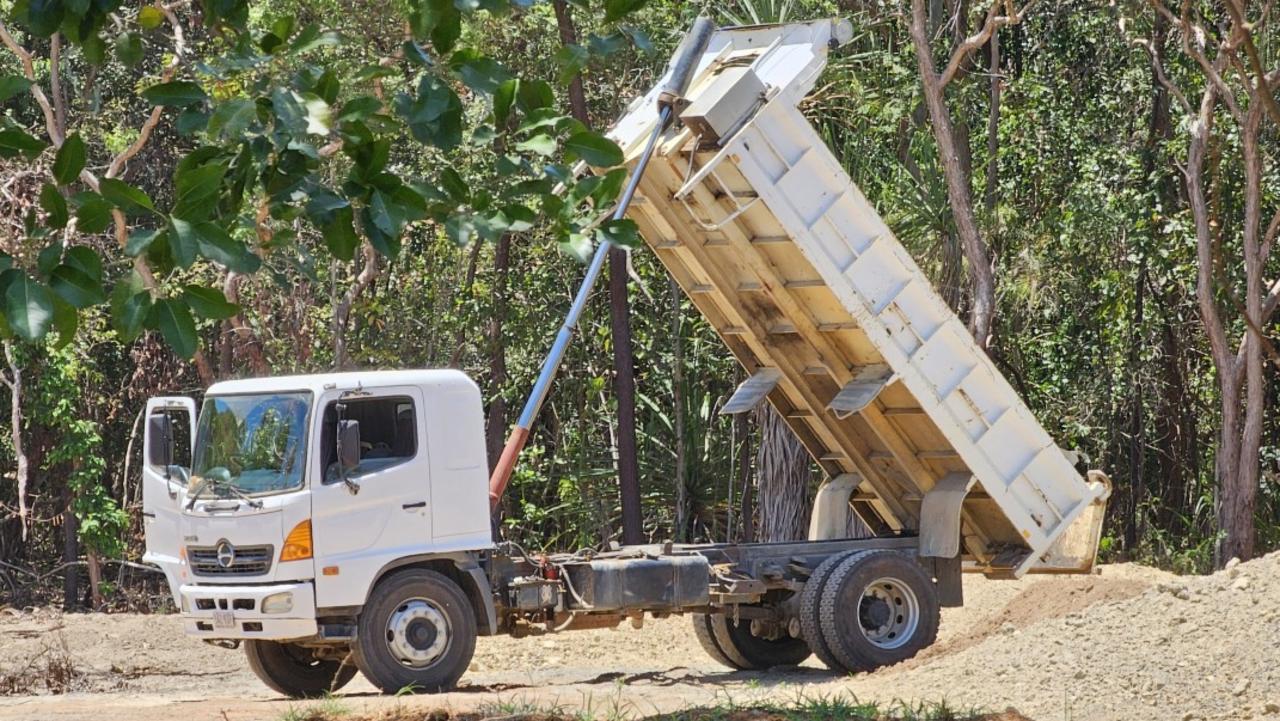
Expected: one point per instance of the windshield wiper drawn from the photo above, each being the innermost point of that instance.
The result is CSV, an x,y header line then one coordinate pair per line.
x,y
209,483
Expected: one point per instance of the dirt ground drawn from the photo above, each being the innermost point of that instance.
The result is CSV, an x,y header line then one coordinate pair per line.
x,y
1128,644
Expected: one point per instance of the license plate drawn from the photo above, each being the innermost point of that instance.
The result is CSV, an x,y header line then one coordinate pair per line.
x,y
224,619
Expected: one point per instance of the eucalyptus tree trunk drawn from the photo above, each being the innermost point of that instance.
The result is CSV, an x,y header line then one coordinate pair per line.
x,y
784,471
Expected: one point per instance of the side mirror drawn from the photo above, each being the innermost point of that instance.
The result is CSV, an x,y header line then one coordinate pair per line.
x,y
348,444
160,440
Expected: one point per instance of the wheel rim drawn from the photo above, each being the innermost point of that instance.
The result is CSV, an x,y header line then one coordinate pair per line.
x,y
888,613
418,633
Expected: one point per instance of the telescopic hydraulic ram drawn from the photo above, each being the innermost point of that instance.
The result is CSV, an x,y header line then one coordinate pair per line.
x,y
679,73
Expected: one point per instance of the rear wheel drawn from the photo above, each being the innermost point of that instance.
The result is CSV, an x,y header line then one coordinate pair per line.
x,y
736,646
877,608
295,671
811,601
417,633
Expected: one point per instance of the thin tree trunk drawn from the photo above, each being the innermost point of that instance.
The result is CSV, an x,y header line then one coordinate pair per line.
x,y
342,311
684,509
993,125
496,423
624,385
21,464
982,314
70,554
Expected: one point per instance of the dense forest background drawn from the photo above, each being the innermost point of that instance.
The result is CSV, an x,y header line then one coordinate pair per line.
x,y
206,189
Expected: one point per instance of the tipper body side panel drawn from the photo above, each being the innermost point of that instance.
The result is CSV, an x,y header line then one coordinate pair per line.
x,y
774,244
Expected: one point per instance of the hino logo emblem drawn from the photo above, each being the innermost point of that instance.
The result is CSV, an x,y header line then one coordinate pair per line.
x,y
226,554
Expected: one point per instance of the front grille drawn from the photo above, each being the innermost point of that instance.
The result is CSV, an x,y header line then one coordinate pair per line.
x,y
247,561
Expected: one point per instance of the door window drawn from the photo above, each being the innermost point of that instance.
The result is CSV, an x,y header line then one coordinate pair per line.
x,y
388,433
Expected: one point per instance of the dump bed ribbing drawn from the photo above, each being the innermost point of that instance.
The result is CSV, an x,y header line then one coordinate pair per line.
x,y
755,219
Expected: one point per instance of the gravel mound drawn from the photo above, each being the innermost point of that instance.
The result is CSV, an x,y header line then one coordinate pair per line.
x,y
1129,645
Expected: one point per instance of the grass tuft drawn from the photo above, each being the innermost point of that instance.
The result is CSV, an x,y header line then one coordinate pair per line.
x,y
839,707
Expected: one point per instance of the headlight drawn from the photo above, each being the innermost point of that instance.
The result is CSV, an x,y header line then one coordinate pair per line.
x,y
278,603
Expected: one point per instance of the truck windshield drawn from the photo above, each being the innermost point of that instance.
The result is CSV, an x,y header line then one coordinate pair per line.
x,y
252,443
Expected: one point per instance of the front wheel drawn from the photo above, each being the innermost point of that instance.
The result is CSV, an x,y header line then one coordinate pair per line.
x,y
416,633
295,671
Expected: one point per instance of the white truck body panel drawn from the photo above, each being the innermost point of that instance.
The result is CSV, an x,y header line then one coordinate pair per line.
x,y
798,273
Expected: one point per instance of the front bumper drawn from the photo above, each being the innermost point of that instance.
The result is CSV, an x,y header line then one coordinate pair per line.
x,y
218,611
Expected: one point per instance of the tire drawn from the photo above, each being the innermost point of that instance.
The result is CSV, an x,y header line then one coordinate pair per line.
x,y
811,601
733,644
707,639
417,633
294,671
878,608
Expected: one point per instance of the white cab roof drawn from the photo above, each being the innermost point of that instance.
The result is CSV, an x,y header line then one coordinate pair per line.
x,y
320,382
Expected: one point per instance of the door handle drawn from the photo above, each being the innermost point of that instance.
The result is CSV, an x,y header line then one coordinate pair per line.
x,y
415,504
148,514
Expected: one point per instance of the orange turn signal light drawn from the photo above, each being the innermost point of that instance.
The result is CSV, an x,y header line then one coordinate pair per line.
x,y
297,545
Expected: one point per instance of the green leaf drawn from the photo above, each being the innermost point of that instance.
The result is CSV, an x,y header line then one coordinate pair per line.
x,y
540,144
196,190
93,212
28,305
578,246
44,17
129,48
503,98
622,231
211,241
480,73
49,258
453,184
65,321
54,205
318,114
130,304
340,234
615,10
173,319
571,59
434,116
70,160
15,142
447,30
208,302
75,287
139,240
150,17
175,94
11,85
312,37
594,148
230,119
125,196
85,260
94,49
182,242
535,94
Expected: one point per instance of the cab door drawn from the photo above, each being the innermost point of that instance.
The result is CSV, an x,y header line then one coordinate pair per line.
x,y
167,448
382,510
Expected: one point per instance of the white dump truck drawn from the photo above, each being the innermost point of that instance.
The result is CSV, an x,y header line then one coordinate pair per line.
x,y
340,522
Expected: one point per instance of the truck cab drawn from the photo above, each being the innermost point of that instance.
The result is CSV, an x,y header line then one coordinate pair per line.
x,y
299,492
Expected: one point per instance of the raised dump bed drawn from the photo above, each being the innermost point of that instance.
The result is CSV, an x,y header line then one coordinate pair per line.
x,y
915,428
